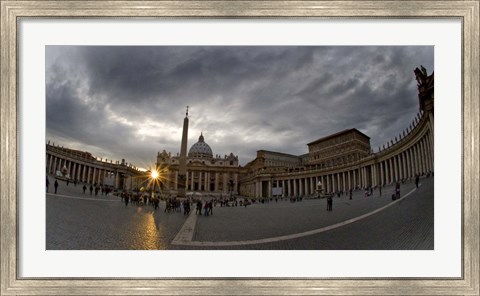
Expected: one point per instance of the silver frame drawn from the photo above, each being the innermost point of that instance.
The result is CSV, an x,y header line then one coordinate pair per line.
x,y
467,11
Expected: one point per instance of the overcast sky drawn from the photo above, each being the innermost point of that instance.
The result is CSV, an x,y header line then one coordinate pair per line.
x,y
129,102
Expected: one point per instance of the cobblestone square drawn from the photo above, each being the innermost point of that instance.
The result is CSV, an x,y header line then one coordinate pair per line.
x,y
77,221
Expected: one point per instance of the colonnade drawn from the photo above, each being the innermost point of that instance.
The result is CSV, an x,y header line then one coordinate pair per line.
x,y
400,162
208,181
81,171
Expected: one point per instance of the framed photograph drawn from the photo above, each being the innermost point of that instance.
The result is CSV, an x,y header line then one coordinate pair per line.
x,y
257,147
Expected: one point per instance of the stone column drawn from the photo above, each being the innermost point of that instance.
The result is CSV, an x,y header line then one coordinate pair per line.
x,y
207,181
94,180
425,159
192,173
49,161
270,186
117,179
313,184
354,179
389,170
88,174
415,159
175,186
430,149
235,179
303,186
374,174
225,185
295,187
216,181
74,174
82,173
420,150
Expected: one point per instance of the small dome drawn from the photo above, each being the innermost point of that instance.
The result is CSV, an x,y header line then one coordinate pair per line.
x,y
200,149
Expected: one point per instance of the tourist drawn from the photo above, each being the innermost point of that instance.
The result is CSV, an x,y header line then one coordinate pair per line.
x,y
56,186
417,179
198,210
206,209
48,184
186,207
84,188
329,203
210,207
91,189
380,189
96,190
350,193
67,182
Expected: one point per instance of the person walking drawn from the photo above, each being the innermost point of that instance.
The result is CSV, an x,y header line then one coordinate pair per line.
x,y
56,186
84,188
206,209
91,189
48,184
417,179
186,207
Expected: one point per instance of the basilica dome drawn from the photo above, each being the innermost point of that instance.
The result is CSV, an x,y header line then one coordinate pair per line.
x,y
200,149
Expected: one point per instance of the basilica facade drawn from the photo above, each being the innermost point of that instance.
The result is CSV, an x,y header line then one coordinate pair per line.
x,y
205,173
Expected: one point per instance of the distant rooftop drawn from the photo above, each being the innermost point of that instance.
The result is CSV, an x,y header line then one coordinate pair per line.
x,y
338,134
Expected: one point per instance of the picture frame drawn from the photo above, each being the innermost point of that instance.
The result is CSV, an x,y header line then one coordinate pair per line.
x,y
12,11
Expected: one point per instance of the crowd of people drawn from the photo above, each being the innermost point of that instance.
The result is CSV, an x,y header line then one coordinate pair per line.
x,y
205,208
94,188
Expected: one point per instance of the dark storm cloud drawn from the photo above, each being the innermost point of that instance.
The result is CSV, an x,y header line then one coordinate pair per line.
x,y
129,102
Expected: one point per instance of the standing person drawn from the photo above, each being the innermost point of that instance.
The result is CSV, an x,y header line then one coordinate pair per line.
x,y
91,189
397,190
329,203
186,207
417,179
350,193
48,184
198,209
380,189
210,207
56,185
84,188
206,209
67,182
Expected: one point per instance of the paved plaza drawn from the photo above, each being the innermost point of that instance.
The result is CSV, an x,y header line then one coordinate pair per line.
x,y
77,221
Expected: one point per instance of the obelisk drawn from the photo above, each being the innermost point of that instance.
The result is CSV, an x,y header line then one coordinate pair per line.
x,y
182,171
